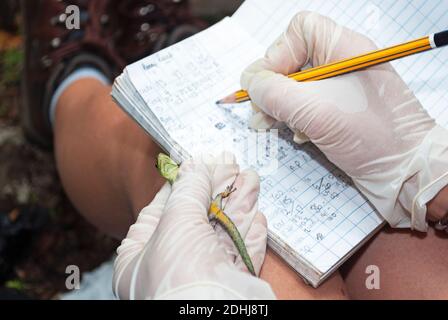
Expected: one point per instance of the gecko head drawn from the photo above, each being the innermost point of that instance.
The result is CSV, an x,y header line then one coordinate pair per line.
x,y
167,167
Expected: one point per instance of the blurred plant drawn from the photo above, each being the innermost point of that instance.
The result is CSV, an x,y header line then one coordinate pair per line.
x,y
11,55
10,67
16,284
11,61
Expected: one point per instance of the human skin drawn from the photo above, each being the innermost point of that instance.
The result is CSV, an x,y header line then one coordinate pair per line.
x,y
106,165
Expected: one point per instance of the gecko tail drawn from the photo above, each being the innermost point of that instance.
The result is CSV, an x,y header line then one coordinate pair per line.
x,y
224,220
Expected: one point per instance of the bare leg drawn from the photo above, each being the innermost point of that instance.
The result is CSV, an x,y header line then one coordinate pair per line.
x,y
106,164
287,285
412,266
105,161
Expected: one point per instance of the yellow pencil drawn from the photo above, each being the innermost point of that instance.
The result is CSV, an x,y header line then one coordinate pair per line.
x,y
430,42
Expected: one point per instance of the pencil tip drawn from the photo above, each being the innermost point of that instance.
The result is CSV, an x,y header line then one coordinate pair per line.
x,y
227,100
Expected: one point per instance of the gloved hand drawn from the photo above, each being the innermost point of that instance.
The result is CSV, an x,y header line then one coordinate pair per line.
x,y
173,252
369,123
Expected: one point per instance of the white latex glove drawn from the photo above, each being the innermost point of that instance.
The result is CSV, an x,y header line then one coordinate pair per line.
x,y
172,251
368,123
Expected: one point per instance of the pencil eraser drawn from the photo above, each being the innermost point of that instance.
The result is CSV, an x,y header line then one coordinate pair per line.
x,y
441,39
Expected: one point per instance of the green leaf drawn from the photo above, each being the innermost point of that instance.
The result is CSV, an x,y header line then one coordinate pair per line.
x,y
16,284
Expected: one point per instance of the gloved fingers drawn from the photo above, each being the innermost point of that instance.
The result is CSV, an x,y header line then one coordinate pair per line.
x,y
138,235
300,137
241,207
280,97
224,170
260,120
191,193
142,230
256,240
309,37
315,109
155,208
184,232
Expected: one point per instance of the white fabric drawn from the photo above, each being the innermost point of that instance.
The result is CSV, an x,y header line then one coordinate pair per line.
x,y
173,252
368,123
95,284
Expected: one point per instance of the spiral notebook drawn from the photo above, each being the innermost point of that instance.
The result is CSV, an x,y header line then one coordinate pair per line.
x,y
316,218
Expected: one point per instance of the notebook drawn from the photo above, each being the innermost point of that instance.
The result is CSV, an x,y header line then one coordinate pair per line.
x,y
316,217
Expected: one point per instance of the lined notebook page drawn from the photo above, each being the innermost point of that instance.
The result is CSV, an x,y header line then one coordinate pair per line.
x,y
312,208
387,22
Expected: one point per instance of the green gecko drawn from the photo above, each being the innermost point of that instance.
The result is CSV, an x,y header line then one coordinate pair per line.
x,y
169,170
